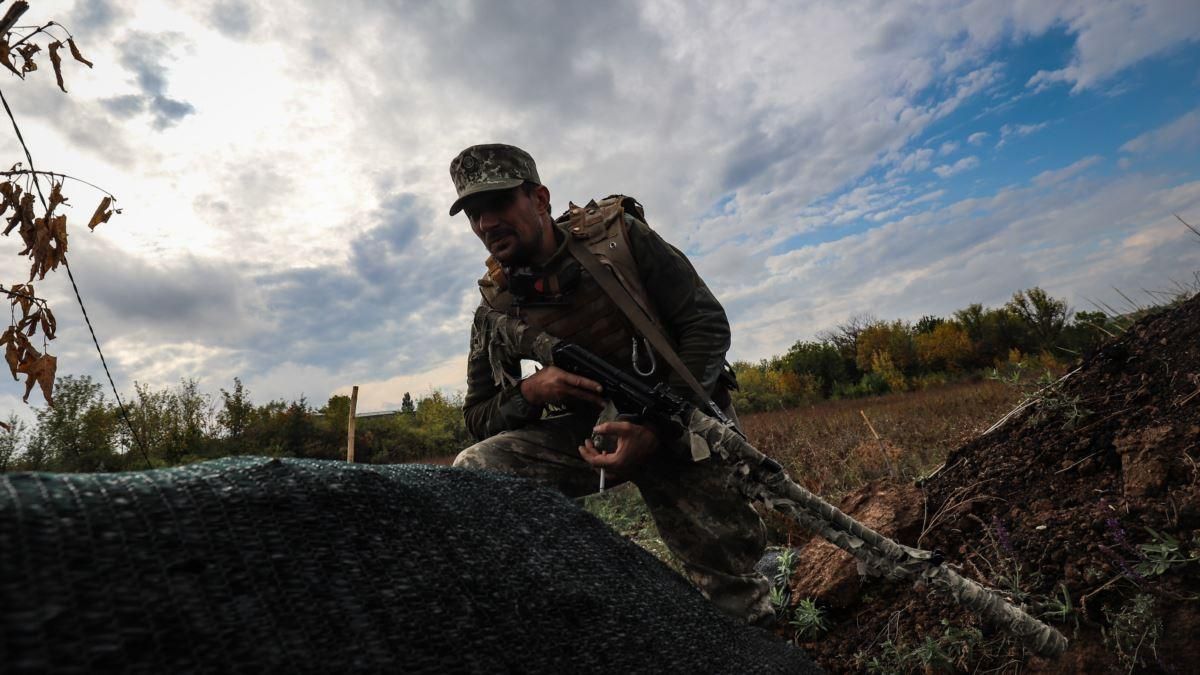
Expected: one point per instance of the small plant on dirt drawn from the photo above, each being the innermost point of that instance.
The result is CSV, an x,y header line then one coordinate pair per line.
x,y
952,651
889,658
1054,402
1059,609
779,598
1012,377
1133,630
1161,554
781,593
1008,574
808,620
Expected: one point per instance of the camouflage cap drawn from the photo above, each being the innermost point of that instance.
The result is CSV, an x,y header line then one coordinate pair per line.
x,y
495,166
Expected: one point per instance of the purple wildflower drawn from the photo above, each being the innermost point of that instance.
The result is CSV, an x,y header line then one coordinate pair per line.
x,y
1118,535
1123,564
1002,535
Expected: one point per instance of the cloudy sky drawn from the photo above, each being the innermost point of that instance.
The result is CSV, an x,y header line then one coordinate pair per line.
x,y
282,166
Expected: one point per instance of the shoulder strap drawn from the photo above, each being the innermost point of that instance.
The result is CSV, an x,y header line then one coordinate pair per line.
x,y
633,312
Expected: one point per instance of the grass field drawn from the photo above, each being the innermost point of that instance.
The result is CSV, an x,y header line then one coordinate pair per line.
x,y
830,450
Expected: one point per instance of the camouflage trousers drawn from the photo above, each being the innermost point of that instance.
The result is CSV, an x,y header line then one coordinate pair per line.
x,y
713,530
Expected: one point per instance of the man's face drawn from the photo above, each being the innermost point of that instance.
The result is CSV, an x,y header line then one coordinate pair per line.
x,y
509,224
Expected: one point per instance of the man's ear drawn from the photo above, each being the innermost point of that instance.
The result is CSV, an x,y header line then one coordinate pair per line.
x,y
541,198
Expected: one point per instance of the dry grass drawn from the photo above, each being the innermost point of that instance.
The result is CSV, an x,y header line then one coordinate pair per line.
x,y
829,449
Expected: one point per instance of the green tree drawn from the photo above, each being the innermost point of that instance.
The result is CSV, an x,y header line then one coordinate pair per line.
x,y
12,437
298,432
993,332
78,433
176,425
887,343
844,338
1087,331
927,323
1044,317
406,404
235,417
820,360
337,415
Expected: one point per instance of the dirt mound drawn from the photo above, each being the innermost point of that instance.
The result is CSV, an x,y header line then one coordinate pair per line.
x,y
1084,506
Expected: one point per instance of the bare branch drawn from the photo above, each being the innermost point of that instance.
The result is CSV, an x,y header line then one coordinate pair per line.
x,y
14,13
1185,224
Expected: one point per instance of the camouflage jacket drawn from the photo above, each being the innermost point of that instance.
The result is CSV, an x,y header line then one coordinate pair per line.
x,y
694,321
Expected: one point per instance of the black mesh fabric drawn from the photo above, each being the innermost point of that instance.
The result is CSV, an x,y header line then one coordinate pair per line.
x,y
254,564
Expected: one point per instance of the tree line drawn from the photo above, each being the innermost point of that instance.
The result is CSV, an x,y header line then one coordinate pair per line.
x,y
863,356
84,432
866,356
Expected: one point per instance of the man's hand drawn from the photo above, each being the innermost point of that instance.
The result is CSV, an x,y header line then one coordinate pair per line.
x,y
555,385
635,444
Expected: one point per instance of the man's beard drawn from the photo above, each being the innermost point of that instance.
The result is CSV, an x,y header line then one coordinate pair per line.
x,y
520,250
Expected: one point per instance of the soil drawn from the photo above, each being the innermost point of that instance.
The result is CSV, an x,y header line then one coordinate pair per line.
x,y
1064,495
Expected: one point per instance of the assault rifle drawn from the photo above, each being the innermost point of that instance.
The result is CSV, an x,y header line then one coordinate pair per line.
x,y
762,478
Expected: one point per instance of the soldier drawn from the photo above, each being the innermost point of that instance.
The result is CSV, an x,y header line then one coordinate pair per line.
x,y
542,426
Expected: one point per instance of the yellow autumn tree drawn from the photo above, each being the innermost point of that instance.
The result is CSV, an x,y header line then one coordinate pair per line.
x,y
946,347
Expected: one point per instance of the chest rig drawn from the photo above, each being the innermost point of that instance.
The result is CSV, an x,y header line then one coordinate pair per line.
x,y
564,300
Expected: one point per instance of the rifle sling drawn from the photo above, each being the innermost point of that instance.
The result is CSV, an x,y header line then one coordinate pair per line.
x,y
633,312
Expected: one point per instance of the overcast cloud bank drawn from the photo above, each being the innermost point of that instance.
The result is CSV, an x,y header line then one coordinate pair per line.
x,y
285,183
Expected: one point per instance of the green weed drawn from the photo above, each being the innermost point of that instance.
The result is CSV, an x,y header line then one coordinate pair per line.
x,y
1133,630
808,620
1161,554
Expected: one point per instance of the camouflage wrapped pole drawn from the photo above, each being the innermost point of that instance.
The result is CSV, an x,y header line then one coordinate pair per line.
x,y
762,479
759,478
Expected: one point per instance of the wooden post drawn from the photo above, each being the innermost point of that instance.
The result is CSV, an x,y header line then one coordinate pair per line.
x,y
350,425
882,448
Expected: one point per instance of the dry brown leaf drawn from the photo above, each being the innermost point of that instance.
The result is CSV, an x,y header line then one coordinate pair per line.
x,y
49,246
27,210
6,56
102,214
27,51
17,349
75,53
56,61
49,323
5,426
56,197
40,371
12,354
21,294
6,190
58,234
29,323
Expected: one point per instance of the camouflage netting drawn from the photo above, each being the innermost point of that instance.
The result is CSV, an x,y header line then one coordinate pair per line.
x,y
258,564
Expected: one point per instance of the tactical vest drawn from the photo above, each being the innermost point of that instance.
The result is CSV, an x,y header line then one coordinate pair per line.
x,y
587,317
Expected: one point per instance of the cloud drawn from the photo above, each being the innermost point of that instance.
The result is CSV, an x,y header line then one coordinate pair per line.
x,y
972,250
94,17
125,106
1141,29
917,160
145,54
1183,133
1056,176
1020,130
234,18
964,164
296,234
